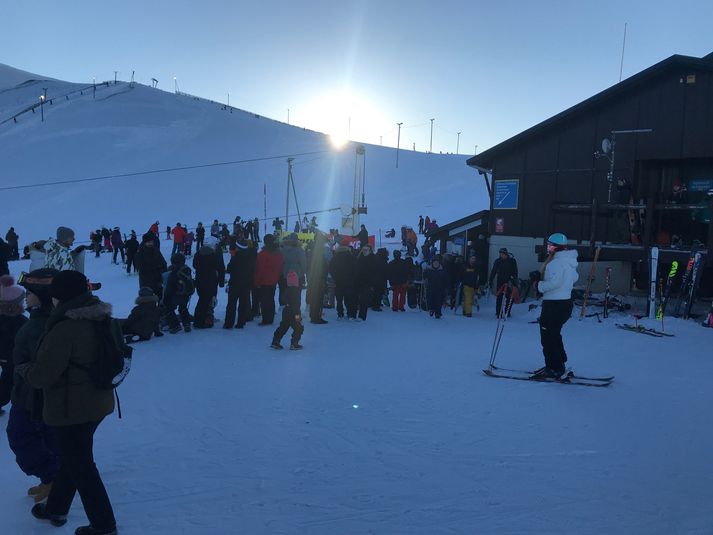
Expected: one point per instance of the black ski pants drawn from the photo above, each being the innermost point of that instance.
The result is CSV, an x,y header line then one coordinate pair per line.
x,y
78,473
255,302
182,305
364,300
205,301
118,250
238,296
267,303
316,299
555,314
345,295
291,317
130,262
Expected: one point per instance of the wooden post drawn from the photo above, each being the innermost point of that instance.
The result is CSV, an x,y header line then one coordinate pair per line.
x,y
593,226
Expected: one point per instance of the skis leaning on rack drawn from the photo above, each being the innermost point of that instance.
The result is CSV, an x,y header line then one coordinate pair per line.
x,y
592,273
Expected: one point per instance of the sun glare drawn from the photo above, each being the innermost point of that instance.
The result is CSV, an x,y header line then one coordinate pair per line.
x,y
343,116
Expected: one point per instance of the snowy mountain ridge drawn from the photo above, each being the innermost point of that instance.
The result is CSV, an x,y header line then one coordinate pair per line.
x,y
132,128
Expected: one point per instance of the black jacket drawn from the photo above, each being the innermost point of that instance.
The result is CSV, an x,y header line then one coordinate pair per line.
x,y
144,318
504,270
364,268
131,245
170,298
399,272
151,264
342,267
363,237
210,270
4,257
242,267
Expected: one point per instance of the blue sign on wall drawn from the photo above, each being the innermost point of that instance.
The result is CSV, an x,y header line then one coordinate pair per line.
x,y
506,194
700,184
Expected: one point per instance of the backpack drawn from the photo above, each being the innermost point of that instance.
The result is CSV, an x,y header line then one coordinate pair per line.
x,y
113,361
184,285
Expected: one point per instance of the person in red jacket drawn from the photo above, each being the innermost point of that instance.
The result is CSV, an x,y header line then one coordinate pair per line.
x,y
268,268
179,234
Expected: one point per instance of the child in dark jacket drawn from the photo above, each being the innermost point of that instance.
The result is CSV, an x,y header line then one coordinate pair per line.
x,y
144,318
179,288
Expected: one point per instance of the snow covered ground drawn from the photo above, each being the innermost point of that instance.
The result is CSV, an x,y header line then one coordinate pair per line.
x,y
384,427
390,427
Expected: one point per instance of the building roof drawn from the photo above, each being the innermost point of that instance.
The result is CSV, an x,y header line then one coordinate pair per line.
x,y
462,222
485,159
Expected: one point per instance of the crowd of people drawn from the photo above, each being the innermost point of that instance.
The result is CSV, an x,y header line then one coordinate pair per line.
x,y
56,407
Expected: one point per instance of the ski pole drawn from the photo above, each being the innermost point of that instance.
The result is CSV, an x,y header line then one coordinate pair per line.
x,y
501,327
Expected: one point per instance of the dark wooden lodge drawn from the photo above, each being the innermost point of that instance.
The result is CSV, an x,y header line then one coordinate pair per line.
x,y
557,176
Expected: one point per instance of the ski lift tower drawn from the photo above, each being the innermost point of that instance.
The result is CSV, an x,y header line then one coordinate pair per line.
x,y
351,214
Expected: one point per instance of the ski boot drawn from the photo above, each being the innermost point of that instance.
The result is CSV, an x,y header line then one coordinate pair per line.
x,y
295,346
175,329
276,345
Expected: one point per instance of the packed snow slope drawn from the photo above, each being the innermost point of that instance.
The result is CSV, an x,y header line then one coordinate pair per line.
x,y
128,128
390,427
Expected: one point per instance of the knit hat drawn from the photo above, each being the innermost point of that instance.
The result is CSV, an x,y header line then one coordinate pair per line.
x,y
177,259
503,250
149,236
9,292
292,238
146,292
64,234
38,282
269,239
67,285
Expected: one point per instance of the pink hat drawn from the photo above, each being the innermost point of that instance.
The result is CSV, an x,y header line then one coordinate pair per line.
x,y
11,297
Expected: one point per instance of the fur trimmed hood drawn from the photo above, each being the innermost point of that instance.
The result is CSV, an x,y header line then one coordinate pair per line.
x,y
97,311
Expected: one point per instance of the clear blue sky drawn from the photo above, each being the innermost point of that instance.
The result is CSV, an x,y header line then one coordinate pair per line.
x,y
487,69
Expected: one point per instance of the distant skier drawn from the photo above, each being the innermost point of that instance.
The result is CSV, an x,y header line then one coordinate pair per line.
x,y
132,246
215,229
118,245
558,275
256,230
420,224
363,237
505,269
437,284
200,236
12,238
210,273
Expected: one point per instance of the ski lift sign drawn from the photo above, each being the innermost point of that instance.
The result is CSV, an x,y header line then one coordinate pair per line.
x,y
506,194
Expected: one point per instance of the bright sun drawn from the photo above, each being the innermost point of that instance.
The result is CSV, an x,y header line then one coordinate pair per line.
x,y
342,115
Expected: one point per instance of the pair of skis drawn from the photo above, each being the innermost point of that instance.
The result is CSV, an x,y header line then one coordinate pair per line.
x,y
643,330
570,379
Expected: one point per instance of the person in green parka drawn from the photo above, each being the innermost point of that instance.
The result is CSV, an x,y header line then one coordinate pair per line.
x,y
73,405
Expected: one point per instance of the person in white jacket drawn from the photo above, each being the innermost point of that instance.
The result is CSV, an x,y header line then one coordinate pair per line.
x,y
558,275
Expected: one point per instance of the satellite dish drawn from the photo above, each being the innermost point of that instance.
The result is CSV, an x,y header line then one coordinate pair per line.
x,y
606,145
